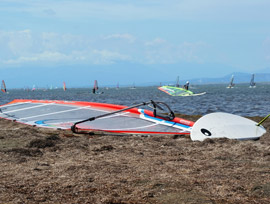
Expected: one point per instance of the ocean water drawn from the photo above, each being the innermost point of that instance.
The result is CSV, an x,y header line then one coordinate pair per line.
x,y
240,100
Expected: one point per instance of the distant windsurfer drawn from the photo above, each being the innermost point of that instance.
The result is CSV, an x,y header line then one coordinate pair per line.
x,y
94,90
186,86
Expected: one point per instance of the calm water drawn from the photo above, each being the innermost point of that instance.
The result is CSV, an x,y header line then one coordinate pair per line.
x,y
240,100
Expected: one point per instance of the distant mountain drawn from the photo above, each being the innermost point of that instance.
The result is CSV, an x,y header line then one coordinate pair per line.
x,y
107,75
238,78
123,73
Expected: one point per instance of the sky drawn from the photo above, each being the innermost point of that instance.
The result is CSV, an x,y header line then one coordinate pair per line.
x,y
117,41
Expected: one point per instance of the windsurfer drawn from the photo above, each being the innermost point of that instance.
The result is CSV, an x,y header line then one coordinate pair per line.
x,y
186,86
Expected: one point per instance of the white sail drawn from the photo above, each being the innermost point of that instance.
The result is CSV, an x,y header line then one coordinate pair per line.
x,y
252,84
231,84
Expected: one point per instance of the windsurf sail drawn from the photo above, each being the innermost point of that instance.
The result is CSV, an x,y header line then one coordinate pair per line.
x,y
231,84
177,82
95,88
252,84
119,119
133,87
177,91
64,86
3,87
96,85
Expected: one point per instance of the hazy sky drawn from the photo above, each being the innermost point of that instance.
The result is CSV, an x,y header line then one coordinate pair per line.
x,y
193,38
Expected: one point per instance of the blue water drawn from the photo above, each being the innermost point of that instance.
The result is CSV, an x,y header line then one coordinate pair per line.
x,y
240,100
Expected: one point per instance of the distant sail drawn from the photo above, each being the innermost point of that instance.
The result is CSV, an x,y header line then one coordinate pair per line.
x,y
3,87
133,87
177,82
96,85
252,84
95,88
231,84
64,86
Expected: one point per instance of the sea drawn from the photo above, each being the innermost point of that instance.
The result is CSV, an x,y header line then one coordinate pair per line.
x,y
240,100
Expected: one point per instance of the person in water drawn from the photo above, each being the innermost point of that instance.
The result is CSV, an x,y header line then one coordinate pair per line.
x,y
186,86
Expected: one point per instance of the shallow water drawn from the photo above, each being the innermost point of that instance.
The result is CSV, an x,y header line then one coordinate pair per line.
x,y
240,100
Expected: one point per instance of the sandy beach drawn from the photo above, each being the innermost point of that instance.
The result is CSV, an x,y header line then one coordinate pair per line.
x,y
55,166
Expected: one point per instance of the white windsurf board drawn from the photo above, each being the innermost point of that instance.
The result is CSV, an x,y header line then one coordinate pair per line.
x,y
225,125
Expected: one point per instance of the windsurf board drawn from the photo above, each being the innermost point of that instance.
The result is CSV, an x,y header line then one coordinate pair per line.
x,y
225,125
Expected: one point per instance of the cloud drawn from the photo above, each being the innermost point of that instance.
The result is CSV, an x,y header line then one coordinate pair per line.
x,y
20,41
161,51
108,57
39,57
156,41
49,12
49,47
28,47
130,38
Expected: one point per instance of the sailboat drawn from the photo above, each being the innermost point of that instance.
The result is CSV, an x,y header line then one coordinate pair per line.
x,y
3,87
34,88
95,88
231,84
64,86
133,87
252,84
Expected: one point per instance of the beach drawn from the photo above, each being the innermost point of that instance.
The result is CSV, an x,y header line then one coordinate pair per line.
x,y
41,165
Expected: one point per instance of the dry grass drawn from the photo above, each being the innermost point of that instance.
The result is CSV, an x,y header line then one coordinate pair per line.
x,y
53,166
